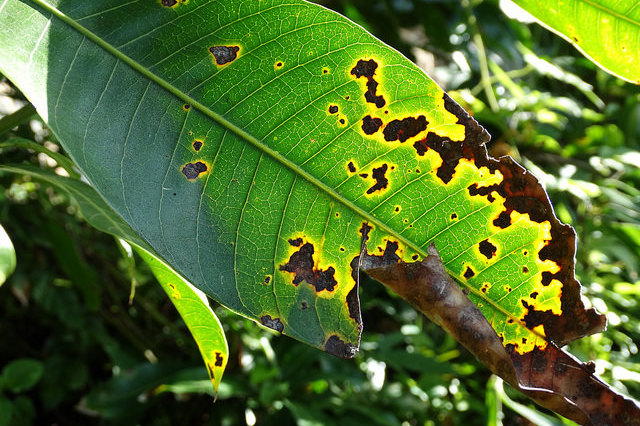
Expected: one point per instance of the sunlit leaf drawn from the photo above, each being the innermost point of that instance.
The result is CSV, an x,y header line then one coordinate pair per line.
x,y
252,143
605,31
194,309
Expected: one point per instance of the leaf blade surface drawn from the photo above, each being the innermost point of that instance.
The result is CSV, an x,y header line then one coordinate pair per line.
x,y
251,144
613,43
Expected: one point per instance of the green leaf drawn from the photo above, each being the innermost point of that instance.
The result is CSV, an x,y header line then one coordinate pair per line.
x,y
6,411
93,208
7,256
59,158
194,309
256,145
605,31
22,374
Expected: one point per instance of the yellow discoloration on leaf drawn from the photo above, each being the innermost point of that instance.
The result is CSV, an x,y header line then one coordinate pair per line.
x,y
174,291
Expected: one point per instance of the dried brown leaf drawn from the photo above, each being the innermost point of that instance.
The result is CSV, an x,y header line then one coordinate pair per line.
x,y
550,377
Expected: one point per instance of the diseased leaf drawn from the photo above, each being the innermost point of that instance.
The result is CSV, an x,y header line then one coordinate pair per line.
x,y
549,376
194,309
249,143
613,46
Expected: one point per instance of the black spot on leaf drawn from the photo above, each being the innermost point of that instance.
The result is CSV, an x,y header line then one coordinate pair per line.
x,y
296,243
197,145
454,216
469,273
404,129
169,3
364,175
367,69
382,182
503,220
267,279
224,54
351,167
304,305
333,109
342,121
301,264
337,347
371,125
193,170
272,323
186,107
487,249
219,359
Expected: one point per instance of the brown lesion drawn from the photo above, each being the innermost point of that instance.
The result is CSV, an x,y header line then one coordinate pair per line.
x,y
302,266
487,249
522,193
219,359
169,3
379,175
272,323
193,170
402,130
367,69
224,54
469,273
337,347
371,125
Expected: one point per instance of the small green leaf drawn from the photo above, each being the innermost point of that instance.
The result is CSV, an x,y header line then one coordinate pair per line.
x,y
22,374
6,411
7,256
194,309
605,31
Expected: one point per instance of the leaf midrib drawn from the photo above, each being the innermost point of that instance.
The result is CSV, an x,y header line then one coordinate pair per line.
x,y
221,120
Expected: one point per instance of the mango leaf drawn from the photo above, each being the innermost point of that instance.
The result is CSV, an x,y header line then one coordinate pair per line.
x,y
548,375
190,303
194,309
7,256
605,31
250,143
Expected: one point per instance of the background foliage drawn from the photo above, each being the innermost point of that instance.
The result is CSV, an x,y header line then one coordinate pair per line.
x,y
76,351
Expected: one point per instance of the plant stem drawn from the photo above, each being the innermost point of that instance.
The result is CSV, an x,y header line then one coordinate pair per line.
x,y
485,76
